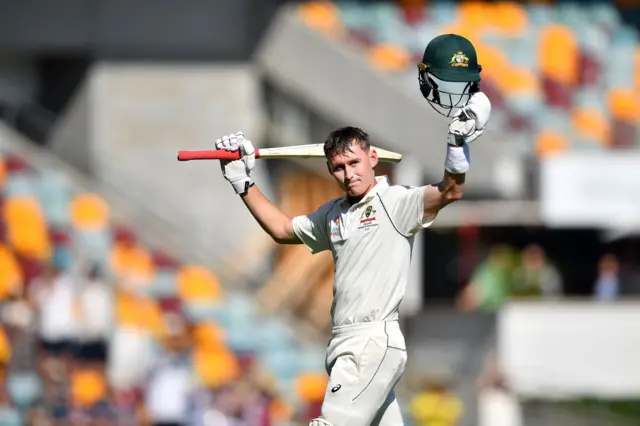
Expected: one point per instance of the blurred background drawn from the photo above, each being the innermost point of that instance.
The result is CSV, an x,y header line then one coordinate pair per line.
x,y
136,290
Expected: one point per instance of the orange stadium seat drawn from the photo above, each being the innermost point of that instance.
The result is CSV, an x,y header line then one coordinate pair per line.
x,y
517,81
558,54
196,283
209,336
474,14
624,105
133,262
592,125
510,18
27,231
311,387
215,368
5,348
493,61
10,274
87,387
89,211
550,142
139,312
389,57
322,16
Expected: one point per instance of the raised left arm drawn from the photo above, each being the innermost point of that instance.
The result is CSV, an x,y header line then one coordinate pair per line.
x,y
468,124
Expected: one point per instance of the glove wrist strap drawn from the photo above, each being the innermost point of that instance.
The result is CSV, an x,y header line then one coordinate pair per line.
x,y
242,185
457,160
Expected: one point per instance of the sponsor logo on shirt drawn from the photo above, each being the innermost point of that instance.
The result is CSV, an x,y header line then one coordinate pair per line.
x,y
335,227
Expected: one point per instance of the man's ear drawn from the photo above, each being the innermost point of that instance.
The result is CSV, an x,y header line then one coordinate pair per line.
x,y
373,156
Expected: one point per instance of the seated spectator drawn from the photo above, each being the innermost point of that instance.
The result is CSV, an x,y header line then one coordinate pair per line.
x,y
607,285
436,406
536,276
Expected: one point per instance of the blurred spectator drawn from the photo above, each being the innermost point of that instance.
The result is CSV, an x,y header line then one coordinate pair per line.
x,y
96,316
497,405
170,384
436,405
52,294
536,276
607,285
489,285
9,415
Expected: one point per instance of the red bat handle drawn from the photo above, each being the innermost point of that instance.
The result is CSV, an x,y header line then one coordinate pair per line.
x,y
211,154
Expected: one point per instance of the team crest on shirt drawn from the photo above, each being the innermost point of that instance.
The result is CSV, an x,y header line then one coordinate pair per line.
x,y
368,219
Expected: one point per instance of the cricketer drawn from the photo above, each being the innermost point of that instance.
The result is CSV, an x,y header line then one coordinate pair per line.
x,y
370,232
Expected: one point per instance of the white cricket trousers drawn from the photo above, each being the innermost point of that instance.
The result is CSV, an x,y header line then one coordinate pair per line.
x,y
365,362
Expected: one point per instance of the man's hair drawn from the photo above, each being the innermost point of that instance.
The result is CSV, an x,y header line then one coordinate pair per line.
x,y
339,141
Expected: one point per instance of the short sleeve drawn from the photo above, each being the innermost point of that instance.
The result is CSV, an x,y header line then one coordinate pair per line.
x,y
311,229
405,205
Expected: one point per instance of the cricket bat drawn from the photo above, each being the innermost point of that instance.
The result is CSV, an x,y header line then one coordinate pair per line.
x,y
296,151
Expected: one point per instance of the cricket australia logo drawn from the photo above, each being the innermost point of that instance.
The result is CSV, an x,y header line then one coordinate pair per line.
x,y
459,59
368,219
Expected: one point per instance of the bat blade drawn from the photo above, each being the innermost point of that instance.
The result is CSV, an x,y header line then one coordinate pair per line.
x,y
296,151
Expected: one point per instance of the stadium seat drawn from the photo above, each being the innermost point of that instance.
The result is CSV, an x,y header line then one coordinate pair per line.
x,y
87,387
54,194
209,335
311,387
95,244
522,90
196,283
591,126
10,274
549,143
132,262
24,388
509,19
215,368
3,172
21,184
558,54
624,105
27,231
89,211
322,16
389,57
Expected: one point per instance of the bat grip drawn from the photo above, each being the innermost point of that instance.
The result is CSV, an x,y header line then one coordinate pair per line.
x,y
208,154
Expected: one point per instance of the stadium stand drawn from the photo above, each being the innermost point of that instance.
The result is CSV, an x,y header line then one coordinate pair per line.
x,y
565,73
102,348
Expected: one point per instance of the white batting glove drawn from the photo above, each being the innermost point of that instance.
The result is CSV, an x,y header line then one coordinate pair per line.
x,y
237,172
469,122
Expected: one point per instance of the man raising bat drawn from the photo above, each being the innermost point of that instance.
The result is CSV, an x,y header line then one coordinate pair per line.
x,y
370,232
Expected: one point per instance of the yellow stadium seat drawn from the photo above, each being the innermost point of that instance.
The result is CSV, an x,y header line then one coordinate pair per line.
x,y
138,312
624,105
27,232
87,387
389,57
591,124
196,283
558,53
322,16
89,211
10,274
493,61
132,262
209,336
215,367
475,14
311,387
280,410
510,18
549,143
517,81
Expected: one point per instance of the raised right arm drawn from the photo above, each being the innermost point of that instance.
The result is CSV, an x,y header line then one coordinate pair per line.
x,y
274,222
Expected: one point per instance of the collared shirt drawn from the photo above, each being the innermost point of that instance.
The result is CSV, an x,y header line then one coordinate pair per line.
x,y
371,242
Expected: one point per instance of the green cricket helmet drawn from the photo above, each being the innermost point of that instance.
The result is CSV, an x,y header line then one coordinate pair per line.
x,y
449,73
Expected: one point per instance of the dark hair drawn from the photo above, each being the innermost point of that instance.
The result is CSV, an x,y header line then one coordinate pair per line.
x,y
339,141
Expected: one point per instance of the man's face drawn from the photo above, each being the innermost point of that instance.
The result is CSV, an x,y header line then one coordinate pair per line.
x,y
353,170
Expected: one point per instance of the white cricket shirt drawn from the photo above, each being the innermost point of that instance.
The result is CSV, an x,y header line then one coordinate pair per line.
x,y
371,242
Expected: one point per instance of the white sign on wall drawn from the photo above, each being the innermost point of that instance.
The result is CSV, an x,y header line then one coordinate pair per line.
x,y
571,348
591,189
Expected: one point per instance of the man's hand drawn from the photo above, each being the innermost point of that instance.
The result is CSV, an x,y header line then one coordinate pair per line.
x,y
237,172
470,121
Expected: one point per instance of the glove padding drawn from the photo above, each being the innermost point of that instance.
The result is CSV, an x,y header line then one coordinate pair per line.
x,y
237,172
469,122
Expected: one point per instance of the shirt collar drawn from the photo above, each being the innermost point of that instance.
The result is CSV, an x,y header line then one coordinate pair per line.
x,y
382,182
